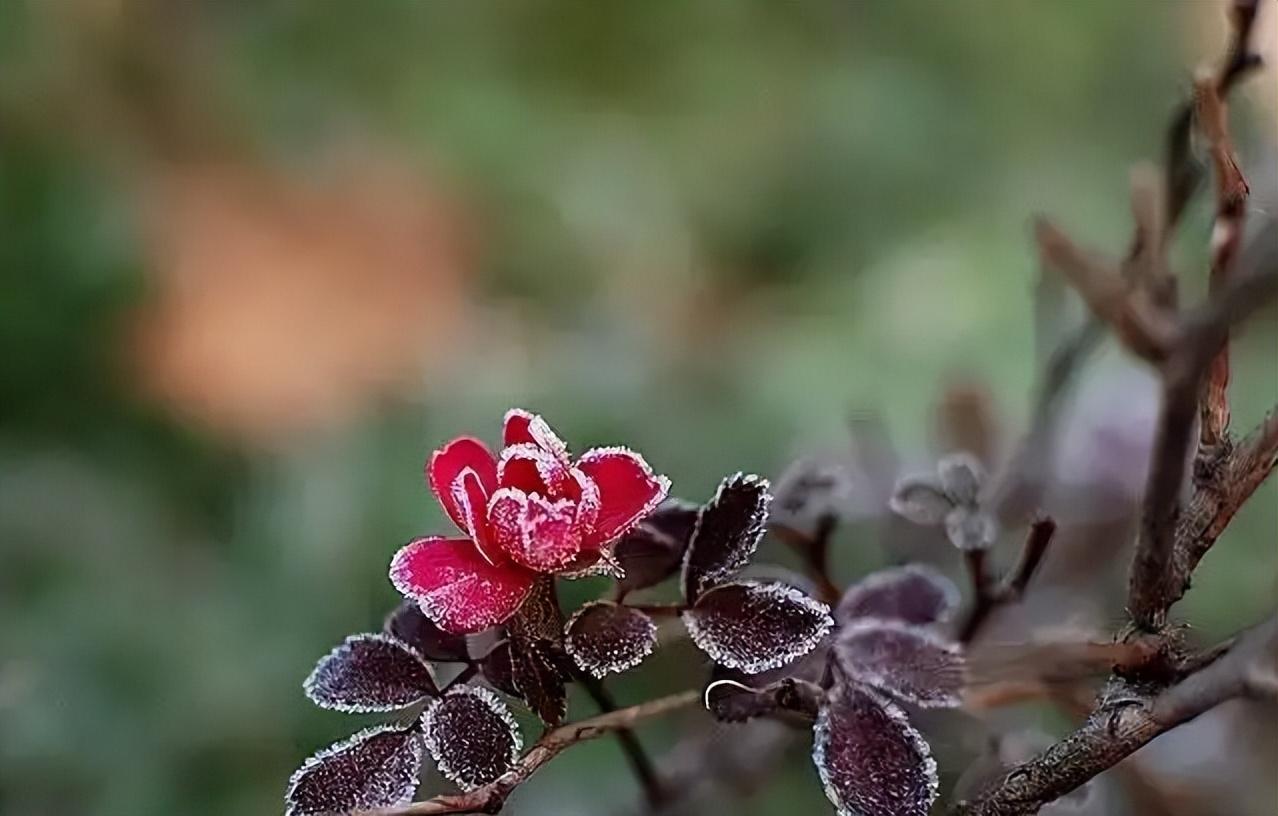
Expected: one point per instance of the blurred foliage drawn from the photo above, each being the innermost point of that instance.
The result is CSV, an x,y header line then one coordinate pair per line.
x,y
707,230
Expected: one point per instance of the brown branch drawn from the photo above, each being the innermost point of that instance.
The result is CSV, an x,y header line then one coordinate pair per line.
x,y
640,763
1126,719
988,594
492,797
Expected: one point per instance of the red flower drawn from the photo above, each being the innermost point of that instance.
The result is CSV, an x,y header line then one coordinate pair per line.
x,y
532,510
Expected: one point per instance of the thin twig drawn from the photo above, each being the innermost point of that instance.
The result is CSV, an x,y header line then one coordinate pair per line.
x,y
988,594
640,763
490,798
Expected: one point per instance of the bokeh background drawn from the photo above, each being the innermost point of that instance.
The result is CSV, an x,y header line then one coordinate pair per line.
x,y
258,259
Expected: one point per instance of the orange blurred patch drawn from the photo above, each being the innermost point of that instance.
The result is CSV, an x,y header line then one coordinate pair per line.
x,y
281,307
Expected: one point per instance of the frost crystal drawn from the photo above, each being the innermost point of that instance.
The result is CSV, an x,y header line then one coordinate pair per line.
x,y
602,637
870,760
756,627
472,736
373,672
908,662
375,768
914,594
726,534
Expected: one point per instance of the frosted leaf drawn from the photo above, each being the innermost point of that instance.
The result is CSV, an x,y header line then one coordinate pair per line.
x,y
375,768
726,534
538,680
755,627
372,672
961,477
472,736
970,528
811,490
408,623
497,669
922,500
653,551
870,760
603,637
913,593
909,662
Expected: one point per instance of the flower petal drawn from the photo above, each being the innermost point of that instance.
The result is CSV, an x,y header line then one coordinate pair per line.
x,y
456,587
472,502
524,427
538,533
532,470
447,463
628,491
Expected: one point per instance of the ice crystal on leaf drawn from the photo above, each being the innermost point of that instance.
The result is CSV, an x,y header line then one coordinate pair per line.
x,y
908,662
755,627
912,594
530,510
726,534
377,767
472,736
603,637
870,760
373,672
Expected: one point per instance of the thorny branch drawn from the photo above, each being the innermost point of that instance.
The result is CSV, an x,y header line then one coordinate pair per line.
x,y
490,798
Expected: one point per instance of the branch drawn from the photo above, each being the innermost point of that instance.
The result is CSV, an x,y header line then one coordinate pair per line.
x,y
988,594
640,764
1127,719
490,798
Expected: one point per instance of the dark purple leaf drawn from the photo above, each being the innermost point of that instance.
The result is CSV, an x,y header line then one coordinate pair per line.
x,y
870,760
914,594
371,672
472,736
539,679
497,669
756,627
908,662
922,500
653,551
726,534
603,637
375,768
539,618
409,624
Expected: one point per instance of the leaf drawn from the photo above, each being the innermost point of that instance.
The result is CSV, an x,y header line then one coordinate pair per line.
x,y
408,623
375,768
908,662
654,550
538,679
913,593
472,736
970,528
755,627
372,672
870,760
920,499
497,669
726,534
603,637
961,477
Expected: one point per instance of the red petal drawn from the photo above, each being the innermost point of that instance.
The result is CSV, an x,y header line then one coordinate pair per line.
x,y
539,533
456,587
524,427
628,491
447,463
528,468
472,501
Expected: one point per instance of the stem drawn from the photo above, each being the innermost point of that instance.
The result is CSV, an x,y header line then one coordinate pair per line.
x,y
640,763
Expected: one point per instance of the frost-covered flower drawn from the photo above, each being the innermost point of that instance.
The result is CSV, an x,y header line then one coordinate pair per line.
x,y
530,510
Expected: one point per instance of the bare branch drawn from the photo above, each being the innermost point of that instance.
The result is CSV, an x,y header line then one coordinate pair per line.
x,y
490,798
1127,719
989,594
